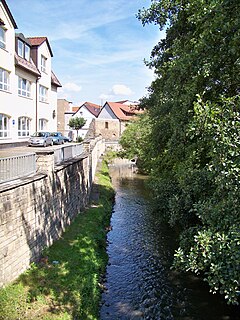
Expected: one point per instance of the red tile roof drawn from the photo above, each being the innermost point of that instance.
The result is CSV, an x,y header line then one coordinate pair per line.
x,y
37,41
121,111
93,108
75,109
30,66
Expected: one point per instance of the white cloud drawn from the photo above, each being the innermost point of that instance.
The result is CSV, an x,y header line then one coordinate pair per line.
x,y
71,87
106,97
121,89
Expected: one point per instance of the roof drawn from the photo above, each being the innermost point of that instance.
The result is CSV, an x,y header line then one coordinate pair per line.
x,y
121,111
93,108
75,109
28,65
54,80
38,41
9,13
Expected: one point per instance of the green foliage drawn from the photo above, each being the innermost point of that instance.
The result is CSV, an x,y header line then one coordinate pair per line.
x,y
193,111
135,142
76,123
66,283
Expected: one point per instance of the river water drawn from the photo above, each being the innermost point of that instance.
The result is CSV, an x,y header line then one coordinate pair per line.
x,y
139,282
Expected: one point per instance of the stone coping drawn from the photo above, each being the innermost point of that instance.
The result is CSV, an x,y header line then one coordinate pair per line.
x,y
21,181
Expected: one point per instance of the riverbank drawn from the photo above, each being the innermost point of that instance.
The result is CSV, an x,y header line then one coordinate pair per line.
x,y
66,283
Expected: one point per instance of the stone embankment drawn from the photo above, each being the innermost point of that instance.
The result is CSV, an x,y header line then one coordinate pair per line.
x,y
35,210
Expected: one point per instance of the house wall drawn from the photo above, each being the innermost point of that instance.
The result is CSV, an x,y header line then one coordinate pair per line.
x,y
62,106
15,106
45,109
109,129
35,212
106,113
7,63
88,116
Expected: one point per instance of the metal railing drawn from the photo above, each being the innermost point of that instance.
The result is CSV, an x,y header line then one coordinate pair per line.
x,y
67,152
17,166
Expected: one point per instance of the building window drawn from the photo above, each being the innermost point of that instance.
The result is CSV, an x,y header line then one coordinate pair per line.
x,y
4,80
43,93
23,50
106,125
24,87
43,64
42,124
2,37
4,126
23,126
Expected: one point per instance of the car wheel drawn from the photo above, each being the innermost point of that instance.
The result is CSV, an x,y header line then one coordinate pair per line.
x,y
44,144
51,144
62,141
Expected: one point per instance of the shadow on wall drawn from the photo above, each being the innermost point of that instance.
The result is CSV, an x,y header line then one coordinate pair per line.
x,y
57,201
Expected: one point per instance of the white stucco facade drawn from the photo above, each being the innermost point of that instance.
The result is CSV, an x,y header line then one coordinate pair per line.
x,y
23,108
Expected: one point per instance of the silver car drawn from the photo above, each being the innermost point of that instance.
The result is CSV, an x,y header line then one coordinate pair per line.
x,y
40,139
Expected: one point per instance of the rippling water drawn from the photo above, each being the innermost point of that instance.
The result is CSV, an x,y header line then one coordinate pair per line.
x,y
139,282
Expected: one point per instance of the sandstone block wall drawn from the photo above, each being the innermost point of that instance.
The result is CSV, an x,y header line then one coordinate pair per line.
x,y
34,212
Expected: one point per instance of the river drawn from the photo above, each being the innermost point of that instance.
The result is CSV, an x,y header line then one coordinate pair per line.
x,y
139,282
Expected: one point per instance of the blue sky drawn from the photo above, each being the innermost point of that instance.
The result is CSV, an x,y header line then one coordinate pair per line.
x,y
98,45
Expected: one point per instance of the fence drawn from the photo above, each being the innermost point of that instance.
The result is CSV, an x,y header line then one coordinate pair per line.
x,y
17,166
67,152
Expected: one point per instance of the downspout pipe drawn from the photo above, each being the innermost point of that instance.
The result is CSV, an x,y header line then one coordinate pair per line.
x,y
36,106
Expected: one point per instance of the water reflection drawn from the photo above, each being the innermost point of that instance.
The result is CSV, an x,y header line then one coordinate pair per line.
x,y
139,282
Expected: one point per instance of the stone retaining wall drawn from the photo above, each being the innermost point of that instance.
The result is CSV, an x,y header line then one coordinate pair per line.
x,y
35,211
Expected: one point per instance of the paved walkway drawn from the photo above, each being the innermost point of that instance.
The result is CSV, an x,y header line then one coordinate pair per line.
x,y
16,151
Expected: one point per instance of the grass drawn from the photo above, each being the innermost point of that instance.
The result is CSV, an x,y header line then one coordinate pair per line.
x,y
66,283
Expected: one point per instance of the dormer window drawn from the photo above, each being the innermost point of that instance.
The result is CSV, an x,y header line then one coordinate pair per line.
x,y
23,50
43,64
2,37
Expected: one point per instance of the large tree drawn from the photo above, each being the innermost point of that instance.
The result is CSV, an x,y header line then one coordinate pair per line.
x,y
193,107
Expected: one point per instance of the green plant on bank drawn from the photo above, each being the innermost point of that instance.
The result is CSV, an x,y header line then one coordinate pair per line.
x,y
77,123
193,111
79,139
66,284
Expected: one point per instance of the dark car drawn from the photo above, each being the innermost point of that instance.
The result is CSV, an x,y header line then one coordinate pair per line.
x,y
40,139
57,137
67,139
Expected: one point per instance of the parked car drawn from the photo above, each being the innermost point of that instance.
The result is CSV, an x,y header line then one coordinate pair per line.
x,y
40,139
57,137
67,139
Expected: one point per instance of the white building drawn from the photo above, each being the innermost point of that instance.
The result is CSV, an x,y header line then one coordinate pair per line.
x,y
88,111
28,87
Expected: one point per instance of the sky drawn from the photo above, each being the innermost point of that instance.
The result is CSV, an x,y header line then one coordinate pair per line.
x,y
99,46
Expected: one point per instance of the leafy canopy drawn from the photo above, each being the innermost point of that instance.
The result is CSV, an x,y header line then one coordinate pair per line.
x,y
191,145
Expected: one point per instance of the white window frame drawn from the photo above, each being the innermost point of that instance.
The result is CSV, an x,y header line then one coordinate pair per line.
x,y
43,64
24,87
43,93
20,48
4,126
24,126
4,80
26,52
2,37
23,50
42,124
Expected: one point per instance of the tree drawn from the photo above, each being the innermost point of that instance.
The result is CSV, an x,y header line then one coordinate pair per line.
x,y
135,142
76,123
193,108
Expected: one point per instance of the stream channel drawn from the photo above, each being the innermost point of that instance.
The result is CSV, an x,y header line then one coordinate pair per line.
x,y
139,283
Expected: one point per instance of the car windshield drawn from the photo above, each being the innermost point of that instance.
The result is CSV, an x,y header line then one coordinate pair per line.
x,y
54,134
39,134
